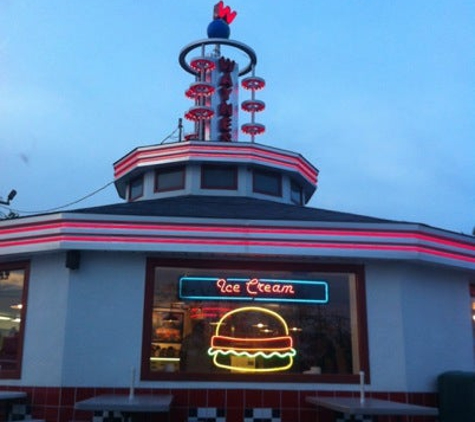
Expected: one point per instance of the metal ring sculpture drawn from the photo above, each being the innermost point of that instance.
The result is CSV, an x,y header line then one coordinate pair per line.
x,y
216,41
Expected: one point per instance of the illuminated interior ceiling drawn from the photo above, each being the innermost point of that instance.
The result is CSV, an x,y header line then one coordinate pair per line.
x,y
11,286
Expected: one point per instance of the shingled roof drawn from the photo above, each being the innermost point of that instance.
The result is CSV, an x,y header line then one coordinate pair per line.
x,y
227,207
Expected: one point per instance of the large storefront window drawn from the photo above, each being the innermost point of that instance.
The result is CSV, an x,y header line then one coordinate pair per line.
x,y
13,287
246,320
472,295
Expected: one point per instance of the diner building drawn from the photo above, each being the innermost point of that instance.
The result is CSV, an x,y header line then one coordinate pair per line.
x,y
213,280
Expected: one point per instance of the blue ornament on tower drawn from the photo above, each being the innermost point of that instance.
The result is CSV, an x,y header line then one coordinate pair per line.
x,y
218,28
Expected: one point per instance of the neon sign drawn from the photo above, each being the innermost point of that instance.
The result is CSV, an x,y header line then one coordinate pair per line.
x,y
213,312
233,341
225,109
224,12
253,289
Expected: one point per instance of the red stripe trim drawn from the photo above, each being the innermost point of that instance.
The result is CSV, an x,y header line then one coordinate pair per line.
x,y
91,238
203,151
200,228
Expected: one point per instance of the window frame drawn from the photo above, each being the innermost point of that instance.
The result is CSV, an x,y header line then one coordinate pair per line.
x,y
25,266
180,169
472,311
362,325
232,168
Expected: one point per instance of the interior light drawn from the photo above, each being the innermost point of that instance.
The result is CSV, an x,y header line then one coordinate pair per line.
x,y
170,318
165,359
17,306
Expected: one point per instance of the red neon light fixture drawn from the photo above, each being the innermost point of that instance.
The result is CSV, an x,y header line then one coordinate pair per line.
x,y
253,129
200,89
202,64
253,106
253,83
199,113
191,136
190,94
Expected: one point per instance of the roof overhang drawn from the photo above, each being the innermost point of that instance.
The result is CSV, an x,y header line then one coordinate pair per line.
x,y
143,158
381,241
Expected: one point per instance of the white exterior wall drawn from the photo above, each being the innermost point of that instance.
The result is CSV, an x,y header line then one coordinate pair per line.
x,y
104,320
385,327
45,322
419,325
84,327
438,324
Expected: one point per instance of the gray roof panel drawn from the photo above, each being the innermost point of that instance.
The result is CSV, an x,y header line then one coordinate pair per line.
x,y
228,207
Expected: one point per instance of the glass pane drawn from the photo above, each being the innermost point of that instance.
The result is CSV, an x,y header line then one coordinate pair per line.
x,y
209,321
172,179
296,194
136,188
11,292
267,182
473,320
217,177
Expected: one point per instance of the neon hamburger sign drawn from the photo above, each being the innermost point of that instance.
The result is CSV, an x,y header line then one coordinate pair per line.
x,y
258,335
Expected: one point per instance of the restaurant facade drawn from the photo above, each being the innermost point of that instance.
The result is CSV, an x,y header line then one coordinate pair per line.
x,y
215,282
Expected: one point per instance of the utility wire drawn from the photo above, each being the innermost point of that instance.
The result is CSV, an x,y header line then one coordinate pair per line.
x,y
62,206
178,129
170,136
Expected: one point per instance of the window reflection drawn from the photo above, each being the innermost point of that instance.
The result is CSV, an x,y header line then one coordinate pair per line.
x,y
472,291
240,336
12,282
170,179
136,188
219,177
267,182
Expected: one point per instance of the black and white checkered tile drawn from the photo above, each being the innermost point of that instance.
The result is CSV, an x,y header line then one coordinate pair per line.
x,y
108,416
355,418
19,412
206,414
262,414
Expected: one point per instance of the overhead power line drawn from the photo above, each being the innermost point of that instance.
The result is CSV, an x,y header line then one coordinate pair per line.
x,y
61,206
17,211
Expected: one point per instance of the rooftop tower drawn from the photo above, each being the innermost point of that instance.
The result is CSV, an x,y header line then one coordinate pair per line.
x,y
211,159
215,90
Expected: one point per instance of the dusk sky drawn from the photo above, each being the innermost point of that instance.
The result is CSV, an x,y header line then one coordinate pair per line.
x,y
379,95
